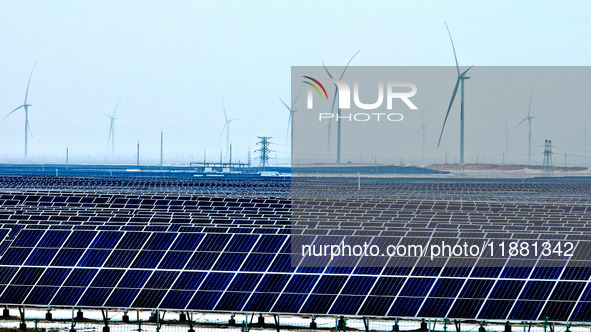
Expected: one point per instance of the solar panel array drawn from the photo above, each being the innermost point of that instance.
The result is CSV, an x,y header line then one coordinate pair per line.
x,y
226,245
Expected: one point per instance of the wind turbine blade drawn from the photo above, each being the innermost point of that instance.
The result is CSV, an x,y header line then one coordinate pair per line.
x,y
347,66
530,98
110,117
453,47
14,110
325,69
520,122
453,96
117,106
297,96
223,129
224,107
29,83
284,104
29,128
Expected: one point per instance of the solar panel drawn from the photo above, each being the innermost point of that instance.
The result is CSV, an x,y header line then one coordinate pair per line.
x,y
225,245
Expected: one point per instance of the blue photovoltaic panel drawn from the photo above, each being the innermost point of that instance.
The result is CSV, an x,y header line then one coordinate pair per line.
x,y
495,309
95,297
317,304
229,262
147,259
67,257
121,298
346,305
257,262
376,306
526,310
465,308
134,279
80,239
176,299
205,301
39,295
244,282
406,306
107,278
557,310
53,239
149,298
106,240
160,241
261,302
27,276
202,261
15,256
162,279
121,258
68,296
435,307
27,238
94,258
54,276
231,301
175,260
80,277
189,280
216,281
358,285
133,240
506,289
228,255
187,242
41,257
537,290
214,242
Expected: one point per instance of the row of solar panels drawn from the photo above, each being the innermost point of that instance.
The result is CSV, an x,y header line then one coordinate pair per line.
x,y
198,251
254,272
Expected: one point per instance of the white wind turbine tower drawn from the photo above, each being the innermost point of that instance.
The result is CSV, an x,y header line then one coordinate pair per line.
x,y
459,82
423,128
507,131
338,109
289,123
585,139
291,114
26,106
227,129
528,118
111,139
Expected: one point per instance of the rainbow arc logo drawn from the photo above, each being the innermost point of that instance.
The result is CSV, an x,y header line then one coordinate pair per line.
x,y
315,86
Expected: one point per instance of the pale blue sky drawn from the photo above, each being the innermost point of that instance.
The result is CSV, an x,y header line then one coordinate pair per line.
x,y
173,63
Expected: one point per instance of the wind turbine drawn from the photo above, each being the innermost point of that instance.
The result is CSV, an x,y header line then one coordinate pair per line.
x,y
111,139
528,118
26,106
422,128
460,81
585,142
227,129
338,109
291,113
507,131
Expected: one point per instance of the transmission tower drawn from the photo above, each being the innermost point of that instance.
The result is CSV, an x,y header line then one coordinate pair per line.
x,y
547,158
264,150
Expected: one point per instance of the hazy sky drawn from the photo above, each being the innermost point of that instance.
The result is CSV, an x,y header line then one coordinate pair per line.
x,y
174,64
